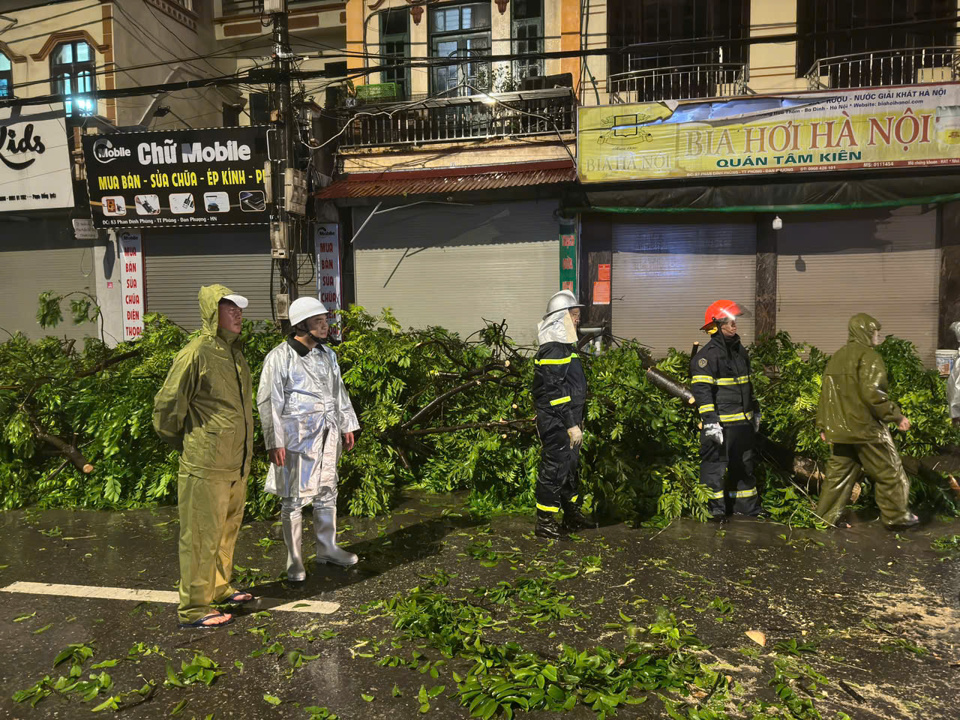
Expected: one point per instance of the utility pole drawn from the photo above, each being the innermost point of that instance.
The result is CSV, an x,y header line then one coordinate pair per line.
x,y
288,184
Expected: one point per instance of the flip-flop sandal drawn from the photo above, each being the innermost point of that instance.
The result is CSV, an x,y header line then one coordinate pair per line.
x,y
202,623
235,598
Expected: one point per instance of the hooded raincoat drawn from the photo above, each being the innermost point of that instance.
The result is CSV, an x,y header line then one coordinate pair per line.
x,y
205,411
854,407
853,413
953,382
304,408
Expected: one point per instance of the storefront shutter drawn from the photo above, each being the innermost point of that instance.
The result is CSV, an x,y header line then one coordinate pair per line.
x,y
665,274
456,266
885,263
177,264
37,256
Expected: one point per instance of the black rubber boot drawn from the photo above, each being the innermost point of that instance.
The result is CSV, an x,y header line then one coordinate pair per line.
x,y
574,519
547,526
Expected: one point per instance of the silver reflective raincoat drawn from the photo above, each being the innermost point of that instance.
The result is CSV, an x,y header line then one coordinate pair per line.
x,y
953,382
304,408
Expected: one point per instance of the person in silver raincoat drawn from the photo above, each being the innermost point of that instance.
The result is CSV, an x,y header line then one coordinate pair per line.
x,y
953,383
307,417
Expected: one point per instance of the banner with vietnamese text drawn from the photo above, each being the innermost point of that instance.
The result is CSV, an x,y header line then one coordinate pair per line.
x,y
916,126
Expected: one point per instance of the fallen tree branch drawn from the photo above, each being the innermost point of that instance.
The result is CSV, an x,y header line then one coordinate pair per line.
x,y
67,450
497,425
438,401
100,367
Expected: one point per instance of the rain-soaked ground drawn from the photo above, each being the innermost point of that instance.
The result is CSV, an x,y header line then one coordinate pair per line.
x,y
862,622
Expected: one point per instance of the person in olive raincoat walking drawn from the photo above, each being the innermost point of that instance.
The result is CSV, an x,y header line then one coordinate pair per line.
x,y
853,414
205,411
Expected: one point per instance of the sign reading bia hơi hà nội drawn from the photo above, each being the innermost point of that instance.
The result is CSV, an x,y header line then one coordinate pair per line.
x,y
916,126
177,178
34,159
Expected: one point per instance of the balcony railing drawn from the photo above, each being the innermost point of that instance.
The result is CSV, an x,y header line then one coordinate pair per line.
x,y
478,117
254,7
911,66
679,82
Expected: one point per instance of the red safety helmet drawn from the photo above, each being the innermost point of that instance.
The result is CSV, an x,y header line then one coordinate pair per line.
x,y
723,311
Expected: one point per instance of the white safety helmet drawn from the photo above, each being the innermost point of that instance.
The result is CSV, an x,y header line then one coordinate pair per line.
x,y
305,307
563,300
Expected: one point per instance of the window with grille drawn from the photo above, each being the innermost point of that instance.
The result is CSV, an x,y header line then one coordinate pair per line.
x,y
73,74
528,39
834,28
687,32
460,31
6,77
395,48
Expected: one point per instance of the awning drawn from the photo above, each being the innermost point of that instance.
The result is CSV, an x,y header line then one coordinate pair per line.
x,y
784,193
450,180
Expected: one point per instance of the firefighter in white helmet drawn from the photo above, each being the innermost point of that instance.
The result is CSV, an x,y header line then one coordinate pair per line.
x,y
307,418
559,393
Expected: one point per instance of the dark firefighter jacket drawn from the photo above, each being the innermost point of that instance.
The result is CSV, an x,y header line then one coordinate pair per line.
x,y
853,399
720,381
559,385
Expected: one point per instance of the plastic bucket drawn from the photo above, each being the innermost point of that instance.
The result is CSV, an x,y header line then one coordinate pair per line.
x,y
945,361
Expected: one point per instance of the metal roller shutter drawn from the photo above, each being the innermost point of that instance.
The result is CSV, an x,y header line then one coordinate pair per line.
x,y
177,264
832,266
40,255
455,266
665,274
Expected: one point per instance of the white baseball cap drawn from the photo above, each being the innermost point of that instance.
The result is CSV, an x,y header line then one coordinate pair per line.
x,y
239,300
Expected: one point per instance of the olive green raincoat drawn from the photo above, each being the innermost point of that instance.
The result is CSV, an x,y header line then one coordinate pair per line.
x,y
205,411
853,413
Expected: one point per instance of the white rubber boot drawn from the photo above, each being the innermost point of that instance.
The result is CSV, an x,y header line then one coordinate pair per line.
x,y
292,534
325,526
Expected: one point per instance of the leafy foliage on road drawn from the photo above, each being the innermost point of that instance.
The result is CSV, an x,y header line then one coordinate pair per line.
x,y
439,413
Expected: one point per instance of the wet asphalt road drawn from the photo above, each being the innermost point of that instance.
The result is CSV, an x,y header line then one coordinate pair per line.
x,y
882,611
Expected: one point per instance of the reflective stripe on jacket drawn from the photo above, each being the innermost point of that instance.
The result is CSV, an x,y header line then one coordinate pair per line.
x,y
559,383
720,382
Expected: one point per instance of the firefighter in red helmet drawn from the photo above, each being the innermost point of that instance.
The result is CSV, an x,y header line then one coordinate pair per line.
x,y
729,413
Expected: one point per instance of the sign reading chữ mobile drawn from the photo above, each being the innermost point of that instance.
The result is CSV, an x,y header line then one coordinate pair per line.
x,y
34,159
177,178
915,126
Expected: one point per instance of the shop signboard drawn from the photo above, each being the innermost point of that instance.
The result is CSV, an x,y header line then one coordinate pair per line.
x,y
327,243
177,178
874,128
568,255
131,276
34,159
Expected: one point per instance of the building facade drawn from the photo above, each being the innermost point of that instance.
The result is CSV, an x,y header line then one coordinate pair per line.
x,y
464,101
478,155
82,47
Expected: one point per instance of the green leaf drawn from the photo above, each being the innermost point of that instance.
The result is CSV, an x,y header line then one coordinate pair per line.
x,y
272,699
366,698
112,702
178,708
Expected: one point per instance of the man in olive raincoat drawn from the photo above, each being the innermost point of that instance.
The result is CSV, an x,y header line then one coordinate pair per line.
x,y
205,411
853,414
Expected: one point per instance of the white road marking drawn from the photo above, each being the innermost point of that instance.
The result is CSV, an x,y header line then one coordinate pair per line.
x,y
158,596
